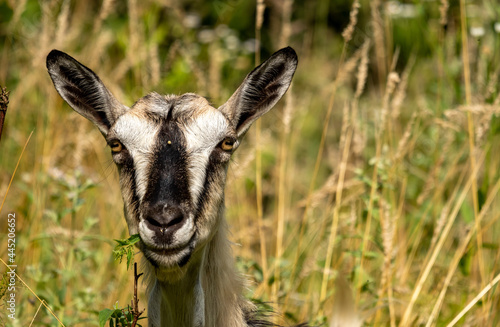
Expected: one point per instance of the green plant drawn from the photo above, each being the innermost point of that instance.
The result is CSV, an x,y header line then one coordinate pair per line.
x,y
129,315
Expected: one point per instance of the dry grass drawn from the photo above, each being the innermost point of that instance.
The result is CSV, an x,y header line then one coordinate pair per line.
x,y
371,189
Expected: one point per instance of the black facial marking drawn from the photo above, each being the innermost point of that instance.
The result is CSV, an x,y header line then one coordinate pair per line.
x,y
213,168
168,174
168,179
127,170
185,259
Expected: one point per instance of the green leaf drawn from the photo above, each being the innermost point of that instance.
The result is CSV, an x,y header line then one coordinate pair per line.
x,y
466,261
104,316
89,223
129,258
467,212
126,247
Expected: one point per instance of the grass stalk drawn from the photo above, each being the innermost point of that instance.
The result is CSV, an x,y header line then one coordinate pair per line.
x,y
459,254
335,218
436,251
258,149
312,184
366,234
4,104
36,313
15,170
378,36
283,158
473,302
470,126
32,292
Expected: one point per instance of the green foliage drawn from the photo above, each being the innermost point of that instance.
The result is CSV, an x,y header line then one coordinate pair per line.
x,y
126,247
64,242
117,317
122,317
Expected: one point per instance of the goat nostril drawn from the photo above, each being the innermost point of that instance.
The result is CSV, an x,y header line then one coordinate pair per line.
x,y
175,221
173,218
152,221
166,218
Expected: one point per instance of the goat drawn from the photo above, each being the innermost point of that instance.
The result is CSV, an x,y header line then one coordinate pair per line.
x,y
172,154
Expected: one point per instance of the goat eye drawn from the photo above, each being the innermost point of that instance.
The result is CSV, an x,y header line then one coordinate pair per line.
x,y
227,144
115,146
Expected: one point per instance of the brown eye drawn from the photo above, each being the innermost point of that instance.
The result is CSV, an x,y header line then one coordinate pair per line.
x,y
115,146
227,144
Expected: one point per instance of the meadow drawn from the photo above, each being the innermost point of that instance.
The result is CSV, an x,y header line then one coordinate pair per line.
x,y
371,190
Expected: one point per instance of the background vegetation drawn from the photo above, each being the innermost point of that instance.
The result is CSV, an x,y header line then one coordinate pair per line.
x,y
374,182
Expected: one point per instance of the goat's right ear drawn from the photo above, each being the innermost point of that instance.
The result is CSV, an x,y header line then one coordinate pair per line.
x,y
260,90
82,89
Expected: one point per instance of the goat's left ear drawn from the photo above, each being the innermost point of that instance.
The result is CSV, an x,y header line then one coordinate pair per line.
x,y
260,90
82,89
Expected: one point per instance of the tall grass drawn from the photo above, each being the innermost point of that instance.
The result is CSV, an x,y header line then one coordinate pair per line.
x,y
371,189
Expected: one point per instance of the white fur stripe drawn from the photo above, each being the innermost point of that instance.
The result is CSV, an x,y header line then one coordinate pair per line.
x,y
202,133
138,135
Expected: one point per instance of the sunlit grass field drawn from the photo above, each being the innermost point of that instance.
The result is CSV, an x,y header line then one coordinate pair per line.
x,y
371,190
